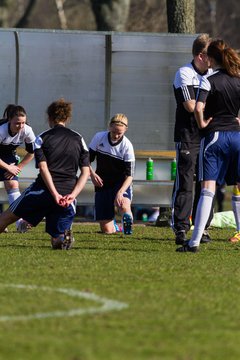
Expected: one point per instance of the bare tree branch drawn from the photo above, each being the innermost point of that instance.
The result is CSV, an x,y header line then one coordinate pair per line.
x,y
61,14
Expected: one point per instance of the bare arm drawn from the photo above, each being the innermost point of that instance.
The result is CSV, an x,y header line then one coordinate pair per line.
x,y
11,169
189,105
68,199
47,178
119,197
96,179
199,115
26,159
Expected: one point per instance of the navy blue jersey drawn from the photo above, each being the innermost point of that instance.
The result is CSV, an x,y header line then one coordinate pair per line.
x,y
65,152
221,93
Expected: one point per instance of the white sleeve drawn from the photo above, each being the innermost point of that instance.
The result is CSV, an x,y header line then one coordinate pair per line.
x,y
30,136
183,77
205,84
96,141
129,153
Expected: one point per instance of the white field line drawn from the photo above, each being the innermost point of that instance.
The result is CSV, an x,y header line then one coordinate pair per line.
x,y
106,304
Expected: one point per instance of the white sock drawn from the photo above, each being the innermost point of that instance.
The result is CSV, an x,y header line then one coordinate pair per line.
x,y
202,215
13,194
18,222
236,210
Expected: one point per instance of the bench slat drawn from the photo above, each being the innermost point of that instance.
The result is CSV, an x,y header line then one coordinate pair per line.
x,y
156,154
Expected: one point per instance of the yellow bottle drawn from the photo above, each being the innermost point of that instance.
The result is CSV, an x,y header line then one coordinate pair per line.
x,y
236,191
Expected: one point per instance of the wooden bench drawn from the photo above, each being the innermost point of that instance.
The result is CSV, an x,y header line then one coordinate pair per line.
x,y
152,193
145,193
155,154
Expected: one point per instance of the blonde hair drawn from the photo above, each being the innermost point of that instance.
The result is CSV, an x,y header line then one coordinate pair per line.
x,y
119,119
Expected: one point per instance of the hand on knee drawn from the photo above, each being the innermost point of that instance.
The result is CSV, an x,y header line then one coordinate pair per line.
x,y
126,207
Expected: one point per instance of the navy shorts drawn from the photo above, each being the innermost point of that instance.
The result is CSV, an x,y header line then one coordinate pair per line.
x,y
219,157
37,203
9,159
104,202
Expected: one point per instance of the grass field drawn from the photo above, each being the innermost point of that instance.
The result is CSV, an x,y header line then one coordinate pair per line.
x,y
55,305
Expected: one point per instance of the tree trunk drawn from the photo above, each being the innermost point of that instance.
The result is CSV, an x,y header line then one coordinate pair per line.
x,y
181,16
111,15
23,22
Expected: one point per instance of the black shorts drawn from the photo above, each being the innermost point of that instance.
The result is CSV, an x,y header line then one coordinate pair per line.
x,y
37,203
104,202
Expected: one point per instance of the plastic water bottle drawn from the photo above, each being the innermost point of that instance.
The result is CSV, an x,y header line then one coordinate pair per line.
x,y
173,169
235,191
144,217
149,169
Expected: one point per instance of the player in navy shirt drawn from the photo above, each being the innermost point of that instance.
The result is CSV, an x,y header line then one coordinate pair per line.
x,y
59,153
216,112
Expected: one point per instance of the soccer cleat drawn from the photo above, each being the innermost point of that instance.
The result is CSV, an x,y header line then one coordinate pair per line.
x,y
205,237
57,243
23,226
235,238
68,240
187,248
180,237
127,224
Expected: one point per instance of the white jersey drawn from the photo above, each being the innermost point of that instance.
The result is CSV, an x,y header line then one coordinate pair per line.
x,y
115,161
122,149
186,85
9,142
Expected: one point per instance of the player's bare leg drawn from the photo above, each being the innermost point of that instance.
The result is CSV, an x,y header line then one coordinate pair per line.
x,y
7,218
127,216
107,226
